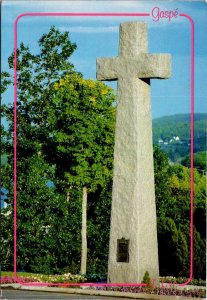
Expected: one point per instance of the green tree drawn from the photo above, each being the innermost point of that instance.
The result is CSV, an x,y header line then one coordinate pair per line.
x,y
199,161
85,138
65,138
36,74
180,189
172,187
162,173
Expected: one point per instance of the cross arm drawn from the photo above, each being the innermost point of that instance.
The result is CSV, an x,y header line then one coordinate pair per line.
x,y
107,68
153,65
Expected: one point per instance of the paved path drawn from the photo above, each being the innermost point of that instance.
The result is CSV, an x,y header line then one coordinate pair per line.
x,y
34,295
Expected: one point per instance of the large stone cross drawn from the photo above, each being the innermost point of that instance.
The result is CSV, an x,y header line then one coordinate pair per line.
x,y
133,246
133,60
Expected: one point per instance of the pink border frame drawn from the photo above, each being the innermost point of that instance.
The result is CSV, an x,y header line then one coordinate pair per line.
x,y
191,138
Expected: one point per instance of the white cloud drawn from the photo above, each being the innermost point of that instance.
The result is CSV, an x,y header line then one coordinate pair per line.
x,y
14,8
90,29
11,9
77,5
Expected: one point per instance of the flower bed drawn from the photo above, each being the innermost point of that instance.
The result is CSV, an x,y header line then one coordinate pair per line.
x,y
178,280
65,278
70,278
10,279
198,293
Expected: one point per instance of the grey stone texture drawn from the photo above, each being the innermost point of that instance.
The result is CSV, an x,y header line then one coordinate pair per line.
x,y
133,214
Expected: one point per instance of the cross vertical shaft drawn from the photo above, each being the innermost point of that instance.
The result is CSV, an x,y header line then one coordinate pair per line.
x,y
133,215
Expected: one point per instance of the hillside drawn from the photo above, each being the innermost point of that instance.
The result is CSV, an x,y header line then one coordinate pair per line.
x,y
172,134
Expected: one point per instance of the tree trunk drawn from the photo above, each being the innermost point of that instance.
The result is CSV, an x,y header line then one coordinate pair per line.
x,y
84,232
68,195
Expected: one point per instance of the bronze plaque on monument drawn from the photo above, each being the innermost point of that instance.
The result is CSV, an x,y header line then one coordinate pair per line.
x,y
123,250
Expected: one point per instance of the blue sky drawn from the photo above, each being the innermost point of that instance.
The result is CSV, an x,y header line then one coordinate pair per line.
x,y
99,37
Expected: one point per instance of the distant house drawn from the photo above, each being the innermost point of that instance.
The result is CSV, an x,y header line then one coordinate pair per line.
x,y
3,203
174,139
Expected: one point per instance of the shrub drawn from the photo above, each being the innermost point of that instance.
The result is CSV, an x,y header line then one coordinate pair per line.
x,y
147,279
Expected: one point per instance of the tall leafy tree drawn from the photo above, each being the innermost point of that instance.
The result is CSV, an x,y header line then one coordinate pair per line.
x,y
36,74
84,140
172,186
65,139
180,189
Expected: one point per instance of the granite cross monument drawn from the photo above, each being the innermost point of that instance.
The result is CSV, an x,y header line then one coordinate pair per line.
x,y
133,248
